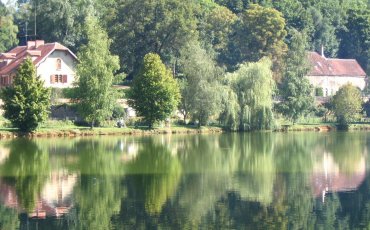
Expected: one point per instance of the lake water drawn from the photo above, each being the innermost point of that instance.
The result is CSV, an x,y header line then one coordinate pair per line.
x,y
226,181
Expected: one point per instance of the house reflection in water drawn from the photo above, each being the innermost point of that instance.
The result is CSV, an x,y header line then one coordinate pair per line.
x,y
328,177
55,200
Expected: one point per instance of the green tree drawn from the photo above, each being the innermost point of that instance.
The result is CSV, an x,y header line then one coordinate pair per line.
x,y
142,27
95,75
8,31
218,27
347,103
355,40
261,32
26,102
324,34
201,94
63,21
253,85
154,93
295,89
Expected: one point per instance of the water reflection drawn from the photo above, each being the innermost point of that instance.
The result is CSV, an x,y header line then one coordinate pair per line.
x,y
258,180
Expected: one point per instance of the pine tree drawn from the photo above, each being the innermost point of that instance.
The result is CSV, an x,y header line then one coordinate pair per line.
x,y
154,93
26,102
95,75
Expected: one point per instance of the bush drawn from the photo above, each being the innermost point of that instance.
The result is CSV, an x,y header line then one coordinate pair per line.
x,y
347,104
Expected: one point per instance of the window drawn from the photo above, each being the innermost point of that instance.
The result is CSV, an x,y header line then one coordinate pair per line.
x,y
58,78
5,80
59,64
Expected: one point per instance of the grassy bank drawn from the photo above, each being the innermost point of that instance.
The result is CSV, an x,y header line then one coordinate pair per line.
x,y
68,129
322,127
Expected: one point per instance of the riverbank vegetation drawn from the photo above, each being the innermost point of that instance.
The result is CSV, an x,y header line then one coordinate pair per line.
x,y
237,65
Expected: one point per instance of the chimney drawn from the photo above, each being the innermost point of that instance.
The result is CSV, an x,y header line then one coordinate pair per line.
x,y
39,43
31,45
322,51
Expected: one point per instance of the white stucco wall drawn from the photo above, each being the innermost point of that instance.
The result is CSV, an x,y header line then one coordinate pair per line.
x,y
331,84
49,67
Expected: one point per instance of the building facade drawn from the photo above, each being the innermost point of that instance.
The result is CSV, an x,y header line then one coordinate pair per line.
x,y
330,74
54,63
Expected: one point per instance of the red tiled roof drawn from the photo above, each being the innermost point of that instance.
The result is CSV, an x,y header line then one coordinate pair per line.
x,y
21,52
322,66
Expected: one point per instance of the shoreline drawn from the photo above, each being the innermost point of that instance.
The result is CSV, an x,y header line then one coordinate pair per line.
x,y
87,132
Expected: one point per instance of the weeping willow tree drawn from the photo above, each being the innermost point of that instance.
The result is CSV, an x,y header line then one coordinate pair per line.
x,y
253,86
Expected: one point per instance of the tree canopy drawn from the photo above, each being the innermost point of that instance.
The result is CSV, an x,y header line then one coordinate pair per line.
x,y
8,29
347,103
154,93
26,102
95,75
295,89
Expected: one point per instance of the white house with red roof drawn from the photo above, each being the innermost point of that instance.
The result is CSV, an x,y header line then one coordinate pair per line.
x,y
55,63
331,73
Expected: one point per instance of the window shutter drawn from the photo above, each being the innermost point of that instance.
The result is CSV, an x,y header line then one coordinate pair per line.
x,y
64,78
52,79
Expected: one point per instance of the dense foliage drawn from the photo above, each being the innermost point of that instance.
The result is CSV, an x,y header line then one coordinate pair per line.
x,y
95,94
8,30
253,86
296,90
203,40
347,103
237,30
200,86
154,93
26,102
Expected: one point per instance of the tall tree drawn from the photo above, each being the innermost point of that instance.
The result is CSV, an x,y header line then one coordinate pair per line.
x,y
95,74
141,27
295,89
201,93
8,30
261,32
253,85
50,20
154,93
26,102
62,21
355,40
218,25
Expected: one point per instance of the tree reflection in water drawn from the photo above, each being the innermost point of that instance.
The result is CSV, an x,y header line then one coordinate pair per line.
x,y
251,180
27,168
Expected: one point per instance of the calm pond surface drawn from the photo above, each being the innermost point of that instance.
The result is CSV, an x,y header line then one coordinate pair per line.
x,y
226,181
